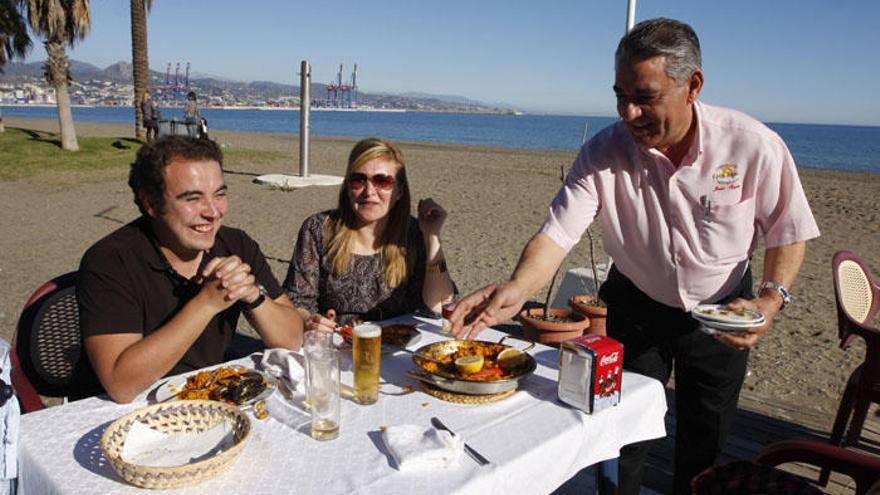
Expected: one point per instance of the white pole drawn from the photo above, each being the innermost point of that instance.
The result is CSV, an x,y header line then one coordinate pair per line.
x,y
305,80
630,15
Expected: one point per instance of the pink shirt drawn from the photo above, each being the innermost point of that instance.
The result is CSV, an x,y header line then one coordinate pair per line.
x,y
684,236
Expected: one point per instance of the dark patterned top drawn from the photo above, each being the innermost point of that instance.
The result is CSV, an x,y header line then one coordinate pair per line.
x,y
361,292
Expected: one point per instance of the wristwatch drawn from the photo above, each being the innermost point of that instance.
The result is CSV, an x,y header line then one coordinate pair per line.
x,y
786,296
439,267
256,302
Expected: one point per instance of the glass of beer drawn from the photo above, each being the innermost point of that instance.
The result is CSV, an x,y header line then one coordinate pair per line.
x,y
366,354
323,391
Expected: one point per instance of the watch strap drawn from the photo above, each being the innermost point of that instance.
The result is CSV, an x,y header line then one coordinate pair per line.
x,y
256,302
786,296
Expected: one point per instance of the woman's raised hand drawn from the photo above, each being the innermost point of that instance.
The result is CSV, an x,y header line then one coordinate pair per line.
x,y
326,323
431,217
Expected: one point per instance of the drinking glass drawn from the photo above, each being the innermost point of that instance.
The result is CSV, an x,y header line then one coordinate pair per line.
x,y
446,312
313,341
323,392
367,353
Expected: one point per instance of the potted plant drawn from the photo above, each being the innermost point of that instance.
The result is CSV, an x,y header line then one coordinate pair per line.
x,y
552,325
590,305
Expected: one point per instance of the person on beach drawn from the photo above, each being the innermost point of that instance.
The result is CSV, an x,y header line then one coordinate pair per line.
x,y
151,116
369,259
191,114
679,187
162,295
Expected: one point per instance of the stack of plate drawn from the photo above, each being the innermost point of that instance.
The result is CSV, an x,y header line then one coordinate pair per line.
x,y
717,318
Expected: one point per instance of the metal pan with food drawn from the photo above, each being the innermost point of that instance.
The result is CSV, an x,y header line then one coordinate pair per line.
x,y
474,367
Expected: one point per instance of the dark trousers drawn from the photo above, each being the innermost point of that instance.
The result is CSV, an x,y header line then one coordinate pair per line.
x,y
708,376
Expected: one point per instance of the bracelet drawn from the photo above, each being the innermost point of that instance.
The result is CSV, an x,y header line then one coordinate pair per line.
x,y
439,267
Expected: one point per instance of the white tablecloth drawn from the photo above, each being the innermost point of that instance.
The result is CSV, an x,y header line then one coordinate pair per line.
x,y
534,441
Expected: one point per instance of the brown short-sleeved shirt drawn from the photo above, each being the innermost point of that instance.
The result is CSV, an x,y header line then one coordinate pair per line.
x,y
127,286
360,293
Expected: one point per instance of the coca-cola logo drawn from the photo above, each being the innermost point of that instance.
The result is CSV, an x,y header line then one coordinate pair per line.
x,y
609,359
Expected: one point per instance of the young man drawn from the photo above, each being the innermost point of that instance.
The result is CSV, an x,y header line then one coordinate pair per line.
x,y
679,187
162,295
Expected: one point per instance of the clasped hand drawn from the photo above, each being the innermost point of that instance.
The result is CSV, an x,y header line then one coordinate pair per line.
x,y
226,280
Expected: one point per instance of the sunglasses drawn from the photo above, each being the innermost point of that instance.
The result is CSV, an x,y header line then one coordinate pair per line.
x,y
381,182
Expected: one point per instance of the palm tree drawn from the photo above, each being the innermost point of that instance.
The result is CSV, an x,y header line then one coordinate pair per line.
x,y
140,63
14,39
60,23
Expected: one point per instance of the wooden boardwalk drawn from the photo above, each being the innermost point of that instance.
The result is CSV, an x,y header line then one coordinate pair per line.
x,y
759,423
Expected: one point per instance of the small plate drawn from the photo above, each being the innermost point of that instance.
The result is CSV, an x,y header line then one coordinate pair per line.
x,y
173,386
719,315
411,337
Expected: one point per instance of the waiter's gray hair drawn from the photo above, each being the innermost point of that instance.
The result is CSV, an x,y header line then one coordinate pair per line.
x,y
672,39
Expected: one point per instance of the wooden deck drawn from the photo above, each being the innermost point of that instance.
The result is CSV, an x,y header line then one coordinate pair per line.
x,y
757,424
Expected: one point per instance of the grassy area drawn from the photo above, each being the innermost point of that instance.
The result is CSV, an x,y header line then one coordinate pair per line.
x,y
26,152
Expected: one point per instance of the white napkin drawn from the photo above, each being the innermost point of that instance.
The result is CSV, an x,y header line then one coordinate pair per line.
x,y
147,447
285,365
414,448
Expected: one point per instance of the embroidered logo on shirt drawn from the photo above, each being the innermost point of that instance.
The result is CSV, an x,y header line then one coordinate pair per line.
x,y
726,177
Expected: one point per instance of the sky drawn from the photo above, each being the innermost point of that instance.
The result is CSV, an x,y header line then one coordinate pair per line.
x,y
805,61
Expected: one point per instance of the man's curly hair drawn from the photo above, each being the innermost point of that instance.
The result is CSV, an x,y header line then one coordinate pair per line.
x,y
147,172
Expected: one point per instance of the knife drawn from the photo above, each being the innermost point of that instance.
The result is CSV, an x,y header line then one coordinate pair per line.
x,y
482,461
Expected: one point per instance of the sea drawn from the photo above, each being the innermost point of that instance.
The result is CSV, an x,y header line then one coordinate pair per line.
x,y
836,147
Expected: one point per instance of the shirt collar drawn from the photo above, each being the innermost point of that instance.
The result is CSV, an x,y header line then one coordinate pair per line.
x,y
156,259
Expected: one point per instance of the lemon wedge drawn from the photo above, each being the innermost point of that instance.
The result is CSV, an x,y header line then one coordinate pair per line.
x,y
510,358
469,364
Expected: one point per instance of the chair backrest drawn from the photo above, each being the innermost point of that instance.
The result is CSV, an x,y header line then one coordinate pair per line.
x,y
857,295
48,345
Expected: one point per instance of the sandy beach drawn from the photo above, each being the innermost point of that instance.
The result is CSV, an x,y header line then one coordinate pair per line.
x,y
496,199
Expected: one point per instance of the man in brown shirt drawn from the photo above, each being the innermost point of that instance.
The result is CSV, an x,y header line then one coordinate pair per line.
x,y
162,295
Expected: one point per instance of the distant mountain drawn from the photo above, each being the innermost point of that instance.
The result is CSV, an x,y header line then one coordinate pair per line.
x,y
254,92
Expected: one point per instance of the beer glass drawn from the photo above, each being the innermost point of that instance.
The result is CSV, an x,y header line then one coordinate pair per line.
x,y
323,391
313,341
366,353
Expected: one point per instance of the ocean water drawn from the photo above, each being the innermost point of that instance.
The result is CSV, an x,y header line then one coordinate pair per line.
x,y
838,147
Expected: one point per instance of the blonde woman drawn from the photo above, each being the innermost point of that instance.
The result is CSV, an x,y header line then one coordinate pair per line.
x,y
369,259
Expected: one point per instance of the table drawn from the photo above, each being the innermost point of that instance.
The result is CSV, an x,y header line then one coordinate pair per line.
x,y
534,441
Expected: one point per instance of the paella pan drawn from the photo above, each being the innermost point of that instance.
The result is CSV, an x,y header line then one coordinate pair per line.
x,y
473,366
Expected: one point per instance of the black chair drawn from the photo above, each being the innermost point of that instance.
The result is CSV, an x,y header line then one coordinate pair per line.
x,y
48,358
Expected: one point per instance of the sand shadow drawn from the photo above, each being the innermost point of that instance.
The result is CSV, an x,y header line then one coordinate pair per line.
x,y
237,172
103,215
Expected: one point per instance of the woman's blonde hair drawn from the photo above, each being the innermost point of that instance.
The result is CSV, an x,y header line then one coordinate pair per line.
x,y
397,260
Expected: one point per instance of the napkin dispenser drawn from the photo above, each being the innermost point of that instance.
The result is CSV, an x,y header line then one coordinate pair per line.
x,y
590,369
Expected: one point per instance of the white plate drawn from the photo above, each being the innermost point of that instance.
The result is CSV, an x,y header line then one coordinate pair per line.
x,y
718,314
173,386
716,331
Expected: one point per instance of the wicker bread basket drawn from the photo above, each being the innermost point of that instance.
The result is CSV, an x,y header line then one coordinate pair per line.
x,y
190,416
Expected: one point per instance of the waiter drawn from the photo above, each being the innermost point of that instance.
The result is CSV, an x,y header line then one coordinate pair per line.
x,y
679,188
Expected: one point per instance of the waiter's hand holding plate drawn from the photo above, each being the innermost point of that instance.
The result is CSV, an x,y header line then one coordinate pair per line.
x,y
718,318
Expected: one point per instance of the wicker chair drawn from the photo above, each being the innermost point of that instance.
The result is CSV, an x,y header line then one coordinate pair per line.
x,y
858,301
47,357
763,477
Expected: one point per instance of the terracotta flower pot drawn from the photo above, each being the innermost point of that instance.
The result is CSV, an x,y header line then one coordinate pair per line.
x,y
552,332
586,306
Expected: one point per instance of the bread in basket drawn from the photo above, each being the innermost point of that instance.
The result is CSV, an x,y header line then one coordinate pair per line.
x,y
190,416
